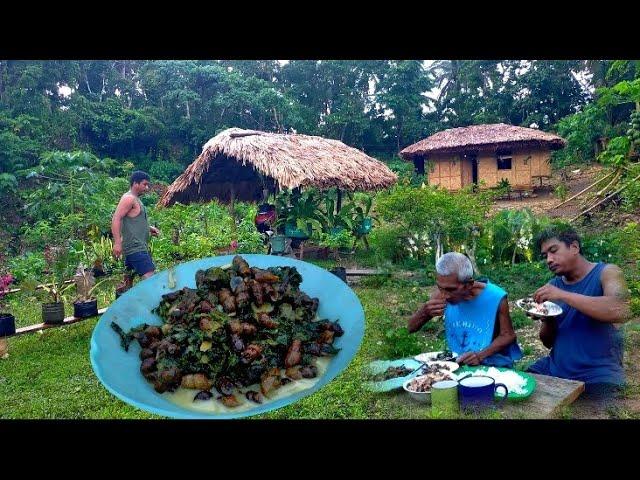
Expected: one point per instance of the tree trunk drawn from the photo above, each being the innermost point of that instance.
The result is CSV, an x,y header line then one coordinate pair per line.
x,y
471,253
278,124
188,111
86,81
438,239
103,91
232,212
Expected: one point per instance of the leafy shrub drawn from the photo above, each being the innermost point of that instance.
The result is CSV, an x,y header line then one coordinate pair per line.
x,y
561,191
338,239
447,218
508,237
399,343
29,265
165,171
388,243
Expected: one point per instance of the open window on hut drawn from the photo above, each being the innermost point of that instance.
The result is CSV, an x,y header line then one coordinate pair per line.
x,y
504,159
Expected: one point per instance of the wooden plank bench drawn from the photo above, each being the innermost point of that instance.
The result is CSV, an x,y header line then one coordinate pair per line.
x,y
359,272
43,326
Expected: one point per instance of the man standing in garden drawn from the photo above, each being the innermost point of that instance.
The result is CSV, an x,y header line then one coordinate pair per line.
x,y
477,322
131,230
585,341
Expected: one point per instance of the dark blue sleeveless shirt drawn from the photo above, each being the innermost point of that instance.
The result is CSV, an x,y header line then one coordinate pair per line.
x,y
586,349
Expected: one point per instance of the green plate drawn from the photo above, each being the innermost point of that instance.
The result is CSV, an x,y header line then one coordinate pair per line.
x,y
380,366
530,386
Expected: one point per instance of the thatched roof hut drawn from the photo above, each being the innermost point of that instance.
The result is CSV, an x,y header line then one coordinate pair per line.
x,y
483,137
237,164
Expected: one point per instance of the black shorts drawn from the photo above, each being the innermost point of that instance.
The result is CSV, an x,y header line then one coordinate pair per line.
x,y
139,262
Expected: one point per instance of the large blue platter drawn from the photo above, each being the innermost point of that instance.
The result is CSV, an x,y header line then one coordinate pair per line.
x,y
119,371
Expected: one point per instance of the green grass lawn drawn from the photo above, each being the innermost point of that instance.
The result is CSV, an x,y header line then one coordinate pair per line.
x,y
49,375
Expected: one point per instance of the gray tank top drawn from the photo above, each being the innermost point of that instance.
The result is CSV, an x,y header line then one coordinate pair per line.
x,y
135,232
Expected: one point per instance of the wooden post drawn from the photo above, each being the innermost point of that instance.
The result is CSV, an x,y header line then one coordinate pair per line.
x,y
604,199
232,211
339,201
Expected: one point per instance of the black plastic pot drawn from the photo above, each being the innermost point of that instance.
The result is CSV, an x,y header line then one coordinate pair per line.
x,y
7,324
53,312
341,273
85,309
98,272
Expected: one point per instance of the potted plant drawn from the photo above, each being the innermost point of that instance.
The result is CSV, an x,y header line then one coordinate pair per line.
x,y
7,321
299,214
85,305
362,220
102,251
53,312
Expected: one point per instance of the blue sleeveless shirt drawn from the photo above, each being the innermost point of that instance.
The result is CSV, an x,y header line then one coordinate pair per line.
x,y
469,327
586,349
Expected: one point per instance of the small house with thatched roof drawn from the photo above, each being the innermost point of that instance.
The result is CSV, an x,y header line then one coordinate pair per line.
x,y
240,164
459,157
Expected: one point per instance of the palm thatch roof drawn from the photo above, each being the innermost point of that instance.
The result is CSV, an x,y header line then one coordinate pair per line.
x,y
238,163
480,137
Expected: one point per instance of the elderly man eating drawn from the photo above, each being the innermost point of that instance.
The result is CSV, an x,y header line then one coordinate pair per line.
x,y
477,323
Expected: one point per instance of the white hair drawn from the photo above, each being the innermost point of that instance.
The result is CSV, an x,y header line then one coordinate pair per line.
x,y
454,262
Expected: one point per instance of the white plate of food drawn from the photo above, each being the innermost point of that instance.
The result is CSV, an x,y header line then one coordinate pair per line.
x,y
419,387
446,356
539,310
445,365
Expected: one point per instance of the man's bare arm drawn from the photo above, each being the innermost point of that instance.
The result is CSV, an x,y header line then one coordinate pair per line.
x,y
613,306
433,308
548,332
124,207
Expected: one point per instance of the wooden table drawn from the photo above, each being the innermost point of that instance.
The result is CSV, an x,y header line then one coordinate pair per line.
x,y
547,400
541,178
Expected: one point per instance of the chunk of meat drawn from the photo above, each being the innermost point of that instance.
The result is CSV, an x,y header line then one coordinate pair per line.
x,y
270,381
266,321
293,372
294,355
197,381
